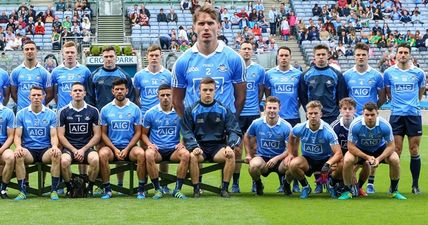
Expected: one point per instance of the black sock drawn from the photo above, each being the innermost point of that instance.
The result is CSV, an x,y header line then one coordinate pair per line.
x,y
27,184
200,179
22,187
90,186
68,185
303,182
179,184
360,183
296,182
281,179
394,185
225,186
141,184
415,169
155,182
120,183
371,179
3,186
196,188
236,178
107,187
55,183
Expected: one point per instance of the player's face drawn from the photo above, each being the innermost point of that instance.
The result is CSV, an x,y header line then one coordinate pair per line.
x,y
207,93
36,97
77,92
246,51
361,57
69,54
370,117
165,97
109,58
347,112
321,58
284,58
206,28
272,109
154,58
403,55
314,116
120,92
30,52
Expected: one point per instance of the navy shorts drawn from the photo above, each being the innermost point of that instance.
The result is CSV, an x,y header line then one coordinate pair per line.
x,y
85,156
37,154
406,125
273,169
314,165
210,150
245,122
375,154
166,154
293,122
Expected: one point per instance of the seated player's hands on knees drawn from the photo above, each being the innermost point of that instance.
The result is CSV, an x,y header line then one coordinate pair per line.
x,y
55,152
287,160
272,162
228,152
248,158
117,154
179,146
123,154
197,151
373,161
237,150
19,152
78,155
153,147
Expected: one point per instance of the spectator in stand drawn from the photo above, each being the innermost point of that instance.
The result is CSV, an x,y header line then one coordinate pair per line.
x,y
405,17
23,11
397,4
3,17
32,12
313,34
259,6
272,46
375,37
316,10
395,14
272,20
226,24
76,33
78,5
9,40
161,17
13,15
60,6
56,40
324,34
377,14
143,20
292,21
285,29
382,42
65,33
67,23
21,31
377,27
252,17
416,18
11,25
133,13
224,13
261,16
172,16
76,27
144,10
195,5
387,6
2,38
257,31
39,28
425,37
185,5
390,41
86,24
340,49
57,25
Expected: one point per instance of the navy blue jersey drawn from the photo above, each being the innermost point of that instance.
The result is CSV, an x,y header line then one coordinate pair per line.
x,y
78,124
326,85
100,83
342,134
212,123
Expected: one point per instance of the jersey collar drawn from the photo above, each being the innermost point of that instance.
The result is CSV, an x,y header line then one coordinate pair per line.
x,y
76,66
160,71
363,122
277,69
161,110
126,104
43,109
412,66
219,48
321,125
251,64
38,65
369,68
70,105
277,123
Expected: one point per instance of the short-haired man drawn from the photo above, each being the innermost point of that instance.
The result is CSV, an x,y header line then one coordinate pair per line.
x,y
341,128
36,140
30,73
69,72
370,139
120,132
405,86
161,135
320,149
251,110
210,132
208,57
79,132
270,135
7,158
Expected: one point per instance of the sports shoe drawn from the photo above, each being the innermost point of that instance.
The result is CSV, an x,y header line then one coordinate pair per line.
x,y
259,188
331,190
196,194
21,196
3,194
296,188
60,191
158,194
179,195
253,187
370,189
362,193
398,196
287,189
235,188
98,191
415,190
305,192
224,194
354,191
280,189
107,195
54,195
345,196
318,188
141,195
166,189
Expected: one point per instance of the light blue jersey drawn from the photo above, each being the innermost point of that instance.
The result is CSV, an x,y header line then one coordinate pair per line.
x,y
271,140
316,144
370,139
224,65
363,87
4,83
405,86
64,78
120,122
284,85
7,120
164,128
147,83
36,127
255,78
24,78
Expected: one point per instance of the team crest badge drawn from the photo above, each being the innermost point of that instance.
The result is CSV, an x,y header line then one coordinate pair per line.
x,y
87,118
129,115
222,68
44,121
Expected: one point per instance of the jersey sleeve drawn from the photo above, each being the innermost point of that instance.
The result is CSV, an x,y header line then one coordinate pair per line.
x,y
332,137
386,80
239,73
52,121
179,74
103,117
19,123
14,78
90,89
267,82
303,92
137,81
48,79
353,133
379,83
422,80
147,121
187,126
10,120
6,81
233,131
54,76
387,133
61,118
252,129
138,118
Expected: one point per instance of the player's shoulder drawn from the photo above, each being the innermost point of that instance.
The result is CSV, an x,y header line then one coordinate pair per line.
x,y
285,124
335,124
17,69
3,72
6,110
92,109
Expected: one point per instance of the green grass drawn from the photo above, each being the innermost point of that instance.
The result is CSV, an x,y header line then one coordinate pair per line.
x,y
244,208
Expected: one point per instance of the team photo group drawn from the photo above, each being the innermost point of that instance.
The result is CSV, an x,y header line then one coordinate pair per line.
x,y
216,105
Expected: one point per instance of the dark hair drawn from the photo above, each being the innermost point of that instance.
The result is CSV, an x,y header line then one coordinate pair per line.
x,y
109,48
78,83
273,99
35,87
29,42
208,80
321,46
119,81
362,46
285,48
164,87
404,45
370,106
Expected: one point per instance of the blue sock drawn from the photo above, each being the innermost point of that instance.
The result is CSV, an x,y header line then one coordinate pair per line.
x,y
179,184
155,182
415,169
141,184
55,183
196,188
236,178
107,187
21,184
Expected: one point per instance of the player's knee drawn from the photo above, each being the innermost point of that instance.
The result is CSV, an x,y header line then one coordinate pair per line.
x,y
65,162
8,157
19,160
193,159
103,154
184,156
93,159
414,150
150,155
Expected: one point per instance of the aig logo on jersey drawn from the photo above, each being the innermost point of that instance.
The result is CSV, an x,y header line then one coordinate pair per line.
x,y
151,90
311,148
404,87
370,142
167,130
250,85
37,131
272,144
27,86
120,125
78,128
361,91
66,87
284,88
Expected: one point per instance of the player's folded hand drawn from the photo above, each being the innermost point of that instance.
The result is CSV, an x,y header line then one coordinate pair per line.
x,y
78,155
248,158
229,152
55,151
197,151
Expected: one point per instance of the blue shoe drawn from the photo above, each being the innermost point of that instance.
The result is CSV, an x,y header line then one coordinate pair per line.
x,y
305,192
54,196
158,194
21,196
332,191
296,188
318,188
60,191
141,195
166,189
253,187
398,196
235,188
370,189
280,189
179,195
107,195
345,195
